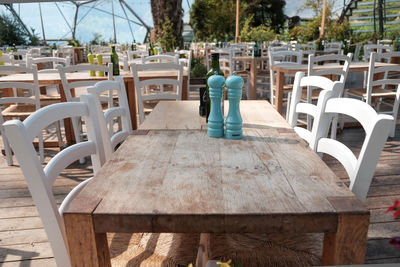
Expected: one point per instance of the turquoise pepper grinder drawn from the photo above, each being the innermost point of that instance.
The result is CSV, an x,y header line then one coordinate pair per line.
x,y
234,84
216,119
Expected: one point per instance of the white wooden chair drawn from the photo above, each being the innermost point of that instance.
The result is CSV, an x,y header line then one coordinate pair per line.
x,y
120,112
378,48
187,64
376,127
335,47
53,60
145,90
136,56
357,52
383,87
282,57
329,89
24,101
160,59
80,87
335,74
40,180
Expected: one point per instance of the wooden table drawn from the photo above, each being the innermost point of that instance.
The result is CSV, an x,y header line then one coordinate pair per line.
x,y
283,69
54,79
173,180
253,71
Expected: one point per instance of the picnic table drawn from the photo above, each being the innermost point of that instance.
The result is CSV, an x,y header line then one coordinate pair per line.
x,y
169,176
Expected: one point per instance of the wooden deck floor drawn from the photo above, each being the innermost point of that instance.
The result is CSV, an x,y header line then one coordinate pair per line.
x,y
23,241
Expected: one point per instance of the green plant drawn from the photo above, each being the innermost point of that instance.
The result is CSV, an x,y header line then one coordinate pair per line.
x,y
11,32
168,37
197,70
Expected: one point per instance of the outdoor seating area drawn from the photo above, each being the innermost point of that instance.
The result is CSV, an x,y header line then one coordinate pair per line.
x,y
272,143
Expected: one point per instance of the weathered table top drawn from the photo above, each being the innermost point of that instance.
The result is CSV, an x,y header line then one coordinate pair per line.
x,y
184,115
184,181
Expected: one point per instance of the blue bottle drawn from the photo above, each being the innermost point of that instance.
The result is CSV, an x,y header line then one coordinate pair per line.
x,y
215,119
234,86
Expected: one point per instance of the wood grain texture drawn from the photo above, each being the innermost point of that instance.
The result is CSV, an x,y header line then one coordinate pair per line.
x,y
85,239
184,115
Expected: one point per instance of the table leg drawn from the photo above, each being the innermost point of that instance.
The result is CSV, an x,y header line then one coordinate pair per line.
x,y
348,245
203,252
86,248
69,132
185,88
253,79
131,94
280,80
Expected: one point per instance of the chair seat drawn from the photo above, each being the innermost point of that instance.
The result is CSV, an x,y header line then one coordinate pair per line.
x,y
151,249
286,87
377,92
314,96
21,110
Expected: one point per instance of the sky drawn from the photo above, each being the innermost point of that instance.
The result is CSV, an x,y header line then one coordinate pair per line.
x,y
91,20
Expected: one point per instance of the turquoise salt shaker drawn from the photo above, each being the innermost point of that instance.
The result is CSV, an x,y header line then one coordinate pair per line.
x,y
234,86
216,119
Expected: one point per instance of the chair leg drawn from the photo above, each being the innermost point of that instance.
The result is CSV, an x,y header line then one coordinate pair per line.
x,y
7,150
59,135
334,127
77,132
289,99
41,147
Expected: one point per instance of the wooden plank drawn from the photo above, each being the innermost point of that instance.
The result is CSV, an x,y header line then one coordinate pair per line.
x,y
25,252
24,201
20,223
384,230
32,263
26,236
380,249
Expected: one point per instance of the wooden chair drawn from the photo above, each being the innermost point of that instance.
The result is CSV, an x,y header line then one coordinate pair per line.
x,y
378,48
120,112
329,89
71,88
376,127
40,180
383,86
145,89
282,57
335,47
24,101
53,60
160,59
333,73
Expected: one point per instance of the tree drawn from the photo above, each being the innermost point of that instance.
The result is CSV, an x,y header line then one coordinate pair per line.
x,y
267,12
215,19
168,23
11,32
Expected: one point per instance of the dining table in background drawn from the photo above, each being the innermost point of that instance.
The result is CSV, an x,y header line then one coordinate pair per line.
x,y
254,62
54,79
283,69
170,177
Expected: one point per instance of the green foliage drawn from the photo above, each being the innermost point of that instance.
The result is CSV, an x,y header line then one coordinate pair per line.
x,y
267,12
197,69
167,36
214,19
258,34
338,32
97,39
11,32
33,39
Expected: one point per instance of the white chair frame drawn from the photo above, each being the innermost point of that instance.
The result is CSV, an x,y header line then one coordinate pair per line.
x,y
120,112
136,68
376,127
40,180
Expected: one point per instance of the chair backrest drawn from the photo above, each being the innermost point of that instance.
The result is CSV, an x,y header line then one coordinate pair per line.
x,y
54,60
376,127
329,89
333,46
357,51
39,179
383,77
69,85
160,59
282,56
144,93
120,112
368,48
136,55
314,61
6,59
